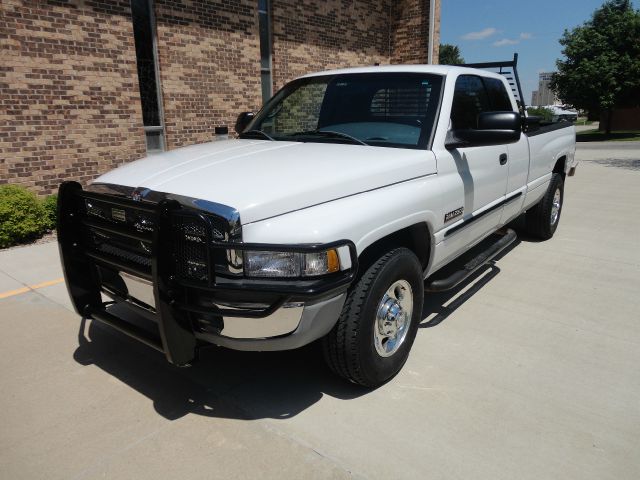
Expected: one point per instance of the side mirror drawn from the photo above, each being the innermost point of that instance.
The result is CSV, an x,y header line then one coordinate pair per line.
x,y
494,128
243,120
532,123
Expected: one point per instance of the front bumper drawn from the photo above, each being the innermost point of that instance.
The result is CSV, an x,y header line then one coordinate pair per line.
x,y
237,312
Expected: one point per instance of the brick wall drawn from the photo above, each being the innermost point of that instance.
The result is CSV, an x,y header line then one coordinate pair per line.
x,y
310,35
209,65
409,35
69,99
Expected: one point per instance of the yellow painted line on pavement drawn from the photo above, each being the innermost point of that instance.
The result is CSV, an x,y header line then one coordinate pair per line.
x,y
29,288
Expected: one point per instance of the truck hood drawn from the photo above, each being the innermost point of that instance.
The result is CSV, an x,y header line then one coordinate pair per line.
x,y
262,179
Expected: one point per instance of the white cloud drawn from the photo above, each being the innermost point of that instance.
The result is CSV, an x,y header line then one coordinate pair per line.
x,y
505,41
509,41
481,35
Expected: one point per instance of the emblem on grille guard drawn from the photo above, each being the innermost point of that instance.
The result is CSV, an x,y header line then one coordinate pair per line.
x,y
118,215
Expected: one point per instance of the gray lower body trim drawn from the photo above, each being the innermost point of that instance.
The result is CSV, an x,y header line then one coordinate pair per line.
x,y
317,320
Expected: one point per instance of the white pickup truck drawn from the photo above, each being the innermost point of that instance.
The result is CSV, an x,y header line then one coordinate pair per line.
x,y
350,194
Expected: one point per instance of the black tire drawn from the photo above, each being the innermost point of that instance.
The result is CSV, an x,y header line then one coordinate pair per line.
x,y
350,347
540,219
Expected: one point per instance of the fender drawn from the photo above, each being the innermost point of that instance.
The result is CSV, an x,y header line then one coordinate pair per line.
x,y
363,218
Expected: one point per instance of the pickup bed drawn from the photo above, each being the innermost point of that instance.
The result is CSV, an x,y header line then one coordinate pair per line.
x,y
350,194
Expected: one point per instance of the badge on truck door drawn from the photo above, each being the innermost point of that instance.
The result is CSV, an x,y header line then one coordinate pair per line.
x,y
453,214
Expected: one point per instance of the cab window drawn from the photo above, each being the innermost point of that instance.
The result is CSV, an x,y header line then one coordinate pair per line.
x,y
469,99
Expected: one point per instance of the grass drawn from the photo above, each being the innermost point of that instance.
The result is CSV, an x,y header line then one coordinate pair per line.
x,y
601,136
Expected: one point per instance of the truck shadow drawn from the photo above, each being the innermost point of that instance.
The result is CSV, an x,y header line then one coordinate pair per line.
x,y
438,306
223,383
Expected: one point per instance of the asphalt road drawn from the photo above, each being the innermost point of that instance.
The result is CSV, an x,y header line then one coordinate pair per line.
x,y
528,372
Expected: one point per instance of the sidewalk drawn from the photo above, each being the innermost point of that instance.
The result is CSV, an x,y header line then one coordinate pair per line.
x,y
33,267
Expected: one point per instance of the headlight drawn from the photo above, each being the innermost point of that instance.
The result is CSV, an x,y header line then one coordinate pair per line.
x,y
290,264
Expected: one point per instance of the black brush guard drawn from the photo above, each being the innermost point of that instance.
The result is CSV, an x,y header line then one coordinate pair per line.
x,y
171,294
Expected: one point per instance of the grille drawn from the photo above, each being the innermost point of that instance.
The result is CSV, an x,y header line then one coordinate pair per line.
x,y
125,255
190,238
139,221
191,248
129,251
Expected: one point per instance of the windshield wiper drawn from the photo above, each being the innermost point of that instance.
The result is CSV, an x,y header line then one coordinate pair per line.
x,y
330,133
259,132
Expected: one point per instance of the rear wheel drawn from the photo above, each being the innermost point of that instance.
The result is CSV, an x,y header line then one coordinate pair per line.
x,y
373,336
542,219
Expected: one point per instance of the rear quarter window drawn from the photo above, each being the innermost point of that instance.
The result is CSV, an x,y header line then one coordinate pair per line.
x,y
498,96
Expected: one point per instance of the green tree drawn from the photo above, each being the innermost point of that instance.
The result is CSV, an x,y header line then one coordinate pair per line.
x,y
450,54
546,114
601,70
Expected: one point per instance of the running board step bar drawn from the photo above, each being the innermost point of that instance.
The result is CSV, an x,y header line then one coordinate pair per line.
x,y
459,272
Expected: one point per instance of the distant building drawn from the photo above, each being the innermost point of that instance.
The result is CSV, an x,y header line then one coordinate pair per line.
x,y
534,98
544,95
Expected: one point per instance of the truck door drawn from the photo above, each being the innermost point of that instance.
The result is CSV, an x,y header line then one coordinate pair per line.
x,y
518,153
483,170
474,178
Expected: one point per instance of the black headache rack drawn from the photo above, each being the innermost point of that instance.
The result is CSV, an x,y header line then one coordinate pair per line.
x,y
508,69
179,251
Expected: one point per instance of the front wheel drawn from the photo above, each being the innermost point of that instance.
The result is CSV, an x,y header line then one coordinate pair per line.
x,y
542,220
373,336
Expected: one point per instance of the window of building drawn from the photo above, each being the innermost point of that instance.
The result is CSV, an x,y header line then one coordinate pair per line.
x,y
265,49
148,78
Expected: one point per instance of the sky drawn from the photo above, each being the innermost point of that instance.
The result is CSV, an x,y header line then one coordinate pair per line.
x,y
492,30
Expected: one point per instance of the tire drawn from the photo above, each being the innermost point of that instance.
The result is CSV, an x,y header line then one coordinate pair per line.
x,y
542,219
363,348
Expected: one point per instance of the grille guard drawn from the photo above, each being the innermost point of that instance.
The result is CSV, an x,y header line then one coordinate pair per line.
x,y
177,339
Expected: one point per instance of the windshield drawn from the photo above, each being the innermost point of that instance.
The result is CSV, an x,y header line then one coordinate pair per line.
x,y
379,109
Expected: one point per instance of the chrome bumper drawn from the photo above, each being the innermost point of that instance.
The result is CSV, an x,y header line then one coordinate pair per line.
x,y
315,322
291,326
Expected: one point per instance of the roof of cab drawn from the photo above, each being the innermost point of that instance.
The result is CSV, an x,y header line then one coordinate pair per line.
x,y
433,69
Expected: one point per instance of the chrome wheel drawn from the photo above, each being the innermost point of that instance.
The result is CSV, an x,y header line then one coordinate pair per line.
x,y
393,318
555,207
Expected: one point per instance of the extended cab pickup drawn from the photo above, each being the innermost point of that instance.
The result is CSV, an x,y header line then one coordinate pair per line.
x,y
350,194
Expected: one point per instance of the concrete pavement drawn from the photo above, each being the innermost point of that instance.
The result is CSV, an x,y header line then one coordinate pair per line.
x,y
611,154
584,128
529,372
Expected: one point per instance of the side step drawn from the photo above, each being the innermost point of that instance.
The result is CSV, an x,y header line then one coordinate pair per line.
x,y
456,272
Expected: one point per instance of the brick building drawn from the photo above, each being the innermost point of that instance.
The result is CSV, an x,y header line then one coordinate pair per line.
x,y
86,85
